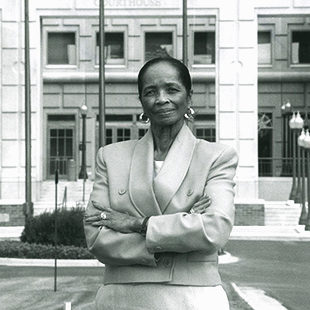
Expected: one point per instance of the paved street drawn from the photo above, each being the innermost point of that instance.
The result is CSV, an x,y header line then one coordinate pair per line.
x,y
32,288
281,269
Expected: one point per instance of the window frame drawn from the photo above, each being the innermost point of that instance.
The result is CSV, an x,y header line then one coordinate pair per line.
x,y
58,29
72,123
267,28
165,30
192,40
115,29
208,121
292,29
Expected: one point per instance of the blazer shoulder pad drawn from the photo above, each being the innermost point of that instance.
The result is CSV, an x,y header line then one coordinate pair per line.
x,y
216,149
120,148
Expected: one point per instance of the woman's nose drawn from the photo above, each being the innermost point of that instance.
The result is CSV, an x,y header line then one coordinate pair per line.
x,y
162,98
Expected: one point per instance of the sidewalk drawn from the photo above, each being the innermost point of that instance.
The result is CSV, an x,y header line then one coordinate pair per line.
x,y
274,233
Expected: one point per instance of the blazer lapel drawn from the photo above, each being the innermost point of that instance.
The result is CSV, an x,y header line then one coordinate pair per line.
x,y
141,177
175,167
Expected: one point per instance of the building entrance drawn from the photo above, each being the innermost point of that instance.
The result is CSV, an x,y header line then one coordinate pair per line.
x,y
60,143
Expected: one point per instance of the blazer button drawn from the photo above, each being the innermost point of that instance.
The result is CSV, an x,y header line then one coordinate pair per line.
x,y
189,192
121,191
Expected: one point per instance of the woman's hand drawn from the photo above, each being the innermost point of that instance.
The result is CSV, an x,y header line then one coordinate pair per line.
x,y
115,220
201,205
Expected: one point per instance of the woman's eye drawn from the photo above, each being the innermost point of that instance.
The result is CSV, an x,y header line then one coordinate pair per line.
x,y
149,93
172,90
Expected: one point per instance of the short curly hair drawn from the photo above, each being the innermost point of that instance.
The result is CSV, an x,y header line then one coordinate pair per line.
x,y
178,65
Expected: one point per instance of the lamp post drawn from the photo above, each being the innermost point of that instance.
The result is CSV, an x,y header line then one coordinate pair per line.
x,y
296,124
83,171
286,110
303,215
307,152
299,124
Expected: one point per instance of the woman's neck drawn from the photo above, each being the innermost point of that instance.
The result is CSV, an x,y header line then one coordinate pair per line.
x,y
163,138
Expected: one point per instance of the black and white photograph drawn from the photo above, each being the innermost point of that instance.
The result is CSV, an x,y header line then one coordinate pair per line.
x,y
154,154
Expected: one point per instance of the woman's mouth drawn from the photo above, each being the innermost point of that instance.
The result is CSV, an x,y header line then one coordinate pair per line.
x,y
164,112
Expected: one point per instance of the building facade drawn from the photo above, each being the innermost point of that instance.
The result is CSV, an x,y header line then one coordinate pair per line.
x,y
246,59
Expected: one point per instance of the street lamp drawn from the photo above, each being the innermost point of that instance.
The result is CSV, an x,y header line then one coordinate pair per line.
x,y
286,110
301,145
296,124
306,143
83,171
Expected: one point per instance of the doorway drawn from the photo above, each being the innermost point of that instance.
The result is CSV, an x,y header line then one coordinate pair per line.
x,y
61,134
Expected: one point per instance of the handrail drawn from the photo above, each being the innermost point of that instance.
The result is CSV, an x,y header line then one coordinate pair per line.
x,y
275,166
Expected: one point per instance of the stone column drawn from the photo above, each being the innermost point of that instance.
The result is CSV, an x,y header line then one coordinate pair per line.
x,y
236,83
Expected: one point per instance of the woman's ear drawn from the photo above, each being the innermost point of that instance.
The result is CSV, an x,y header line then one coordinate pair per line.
x,y
189,98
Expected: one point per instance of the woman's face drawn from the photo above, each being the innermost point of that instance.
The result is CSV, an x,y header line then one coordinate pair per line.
x,y
164,98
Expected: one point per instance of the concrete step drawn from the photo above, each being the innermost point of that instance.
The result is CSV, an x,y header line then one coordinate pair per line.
x,y
46,203
282,213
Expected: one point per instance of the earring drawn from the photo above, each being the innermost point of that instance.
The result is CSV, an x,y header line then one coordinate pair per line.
x,y
143,118
190,114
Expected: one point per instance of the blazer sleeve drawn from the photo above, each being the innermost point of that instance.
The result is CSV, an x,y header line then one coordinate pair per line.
x,y
183,232
109,246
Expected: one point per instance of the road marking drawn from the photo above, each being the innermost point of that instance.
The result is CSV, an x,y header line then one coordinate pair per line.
x,y
257,298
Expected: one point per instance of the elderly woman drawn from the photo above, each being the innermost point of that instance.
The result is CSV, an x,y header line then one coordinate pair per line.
x,y
162,207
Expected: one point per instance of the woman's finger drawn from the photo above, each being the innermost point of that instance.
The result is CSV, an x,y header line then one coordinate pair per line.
x,y
97,216
203,201
89,218
200,210
92,218
98,223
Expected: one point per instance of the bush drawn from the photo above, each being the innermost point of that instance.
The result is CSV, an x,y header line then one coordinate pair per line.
x,y
40,229
19,249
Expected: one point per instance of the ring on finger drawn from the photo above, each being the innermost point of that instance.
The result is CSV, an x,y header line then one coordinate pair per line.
x,y
191,211
103,216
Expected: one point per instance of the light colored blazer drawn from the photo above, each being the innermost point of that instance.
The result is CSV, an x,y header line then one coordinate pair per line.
x,y
186,244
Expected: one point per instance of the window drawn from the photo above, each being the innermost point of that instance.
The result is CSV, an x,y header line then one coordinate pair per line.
x,y
266,162
158,44
123,134
60,143
205,133
113,48
300,47
108,136
204,47
61,48
264,47
142,132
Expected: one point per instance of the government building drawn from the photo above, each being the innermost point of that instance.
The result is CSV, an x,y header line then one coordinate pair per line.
x,y
247,60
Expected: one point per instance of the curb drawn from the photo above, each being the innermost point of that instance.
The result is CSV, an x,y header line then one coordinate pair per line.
x,y
37,262
271,238
257,299
226,258
270,233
